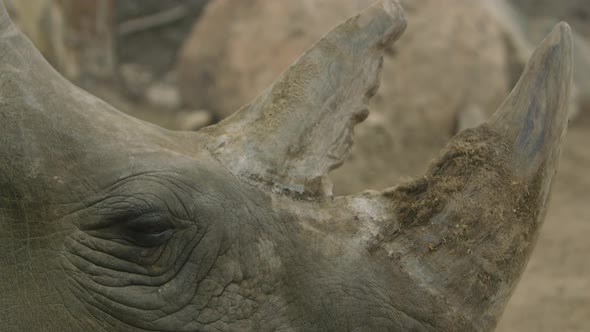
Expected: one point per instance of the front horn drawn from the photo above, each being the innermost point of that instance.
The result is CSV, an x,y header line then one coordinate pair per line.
x,y
464,232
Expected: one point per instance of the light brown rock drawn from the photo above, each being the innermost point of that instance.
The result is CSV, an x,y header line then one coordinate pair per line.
x,y
239,47
451,57
44,22
526,22
193,120
76,37
164,93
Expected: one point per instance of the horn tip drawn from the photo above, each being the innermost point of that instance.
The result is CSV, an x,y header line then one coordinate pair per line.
x,y
563,28
394,9
561,35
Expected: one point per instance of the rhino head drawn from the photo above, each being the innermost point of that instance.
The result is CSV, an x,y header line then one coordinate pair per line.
x,y
110,223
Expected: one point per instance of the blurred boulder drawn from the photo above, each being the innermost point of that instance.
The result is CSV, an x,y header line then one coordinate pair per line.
x,y
237,48
527,22
76,37
44,23
193,120
151,32
107,40
451,57
136,79
575,12
164,93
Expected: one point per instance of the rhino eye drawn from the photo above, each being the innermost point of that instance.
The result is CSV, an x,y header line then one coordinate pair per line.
x,y
147,230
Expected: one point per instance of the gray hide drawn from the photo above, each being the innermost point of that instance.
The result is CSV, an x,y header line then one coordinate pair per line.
x,y
110,223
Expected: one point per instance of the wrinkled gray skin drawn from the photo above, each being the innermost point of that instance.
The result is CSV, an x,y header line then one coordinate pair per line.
x,y
109,223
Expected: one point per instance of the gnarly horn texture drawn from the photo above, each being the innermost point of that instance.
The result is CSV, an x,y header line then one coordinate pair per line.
x,y
464,232
292,135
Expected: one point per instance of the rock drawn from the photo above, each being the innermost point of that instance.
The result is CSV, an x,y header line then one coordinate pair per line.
x,y
151,32
136,79
238,48
164,93
451,56
44,22
575,12
76,37
193,120
526,22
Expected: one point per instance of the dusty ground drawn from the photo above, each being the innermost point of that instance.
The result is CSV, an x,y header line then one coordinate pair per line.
x,y
554,293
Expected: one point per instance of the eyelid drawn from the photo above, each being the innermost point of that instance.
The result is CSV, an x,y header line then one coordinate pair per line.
x,y
123,216
146,230
158,222
115,210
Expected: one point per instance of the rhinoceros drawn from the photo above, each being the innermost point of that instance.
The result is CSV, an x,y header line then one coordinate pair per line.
x,y
109,223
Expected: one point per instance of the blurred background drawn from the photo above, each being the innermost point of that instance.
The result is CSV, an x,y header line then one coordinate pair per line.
x,y
185,64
